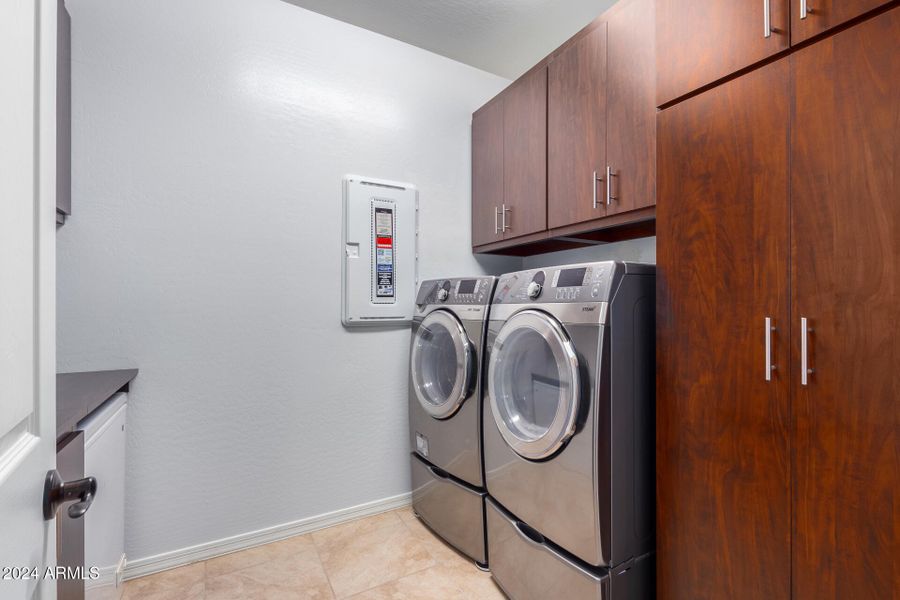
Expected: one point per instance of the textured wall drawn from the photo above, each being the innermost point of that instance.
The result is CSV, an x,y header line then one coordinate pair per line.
x,y
640,250
209,142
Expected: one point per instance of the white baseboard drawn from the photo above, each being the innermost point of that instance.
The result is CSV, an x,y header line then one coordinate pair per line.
x,y
200,552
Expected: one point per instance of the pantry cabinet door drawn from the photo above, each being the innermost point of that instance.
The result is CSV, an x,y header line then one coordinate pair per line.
x,y
723,452
701,41
487,173
845,281
576,132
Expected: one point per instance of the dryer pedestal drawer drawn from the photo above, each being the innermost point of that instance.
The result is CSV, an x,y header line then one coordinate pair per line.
x,y
528,568
452,510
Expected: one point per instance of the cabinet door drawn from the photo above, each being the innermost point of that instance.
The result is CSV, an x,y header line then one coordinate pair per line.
x,y
576,134
487,173
845,189
812,17
631,102
700,41
525,155
723,462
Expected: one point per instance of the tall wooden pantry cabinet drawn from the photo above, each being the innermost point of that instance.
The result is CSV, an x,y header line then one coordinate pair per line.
x,y
778,422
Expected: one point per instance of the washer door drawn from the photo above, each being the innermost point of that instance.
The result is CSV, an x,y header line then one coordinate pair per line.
x,y
441,364
534,382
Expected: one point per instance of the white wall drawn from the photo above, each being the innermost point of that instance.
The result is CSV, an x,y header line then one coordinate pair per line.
x,y
209,141
639,250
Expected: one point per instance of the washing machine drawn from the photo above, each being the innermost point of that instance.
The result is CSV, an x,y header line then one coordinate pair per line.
x,y
569,431
445,412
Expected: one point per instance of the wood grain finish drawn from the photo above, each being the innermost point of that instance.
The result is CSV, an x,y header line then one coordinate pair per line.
x,y
576,136
825,14
723,455
525,154
487,172
701,41
846,279
631,106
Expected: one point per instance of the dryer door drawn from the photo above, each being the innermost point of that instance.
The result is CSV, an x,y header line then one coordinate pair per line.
x,y
442,364
533,383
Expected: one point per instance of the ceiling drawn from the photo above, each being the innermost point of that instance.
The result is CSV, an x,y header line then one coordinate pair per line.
x,y
504,37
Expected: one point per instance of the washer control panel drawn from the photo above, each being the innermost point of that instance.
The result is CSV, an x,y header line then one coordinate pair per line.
x,y
457,291
590,282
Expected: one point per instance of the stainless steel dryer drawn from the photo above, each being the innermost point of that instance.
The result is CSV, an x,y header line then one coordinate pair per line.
x,y
445,410
568,431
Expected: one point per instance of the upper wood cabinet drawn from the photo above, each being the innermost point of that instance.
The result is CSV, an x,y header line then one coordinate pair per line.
x,y
701,41
578,140
602,120
631,107
525,155
487,173
812,17
509,162
576,135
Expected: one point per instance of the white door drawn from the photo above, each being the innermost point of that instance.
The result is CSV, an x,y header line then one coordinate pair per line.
x,y
27,294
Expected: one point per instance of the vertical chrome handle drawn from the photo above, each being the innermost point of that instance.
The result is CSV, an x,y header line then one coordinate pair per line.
x,y
609,176
805,370
769,366
505,210
594,185
496,221
767,18
804,9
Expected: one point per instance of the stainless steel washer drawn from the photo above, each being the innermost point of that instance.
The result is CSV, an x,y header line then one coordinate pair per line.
x,y
445,410
568,427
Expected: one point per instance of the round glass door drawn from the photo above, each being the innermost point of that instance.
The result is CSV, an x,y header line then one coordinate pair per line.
x,y
441,366
533,383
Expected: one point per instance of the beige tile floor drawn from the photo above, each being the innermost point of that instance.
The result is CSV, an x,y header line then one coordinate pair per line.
x,y
386,556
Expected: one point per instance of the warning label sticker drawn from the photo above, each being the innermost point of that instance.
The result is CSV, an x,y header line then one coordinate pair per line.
x,y
384,252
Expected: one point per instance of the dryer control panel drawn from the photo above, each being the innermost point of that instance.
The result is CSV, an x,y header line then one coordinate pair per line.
x,y
588,282
456,291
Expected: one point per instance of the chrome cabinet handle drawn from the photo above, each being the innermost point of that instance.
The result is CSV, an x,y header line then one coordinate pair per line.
x,y
805,370
767,18
609,176
503,211
804,9
769,366
496,221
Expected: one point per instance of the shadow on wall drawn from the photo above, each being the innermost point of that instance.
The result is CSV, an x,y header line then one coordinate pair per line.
x,y
639,250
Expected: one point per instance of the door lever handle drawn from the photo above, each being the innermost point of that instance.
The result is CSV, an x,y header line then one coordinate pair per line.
x,y
57,492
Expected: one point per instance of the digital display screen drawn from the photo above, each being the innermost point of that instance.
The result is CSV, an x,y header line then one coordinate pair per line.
x,y
467,286
571,277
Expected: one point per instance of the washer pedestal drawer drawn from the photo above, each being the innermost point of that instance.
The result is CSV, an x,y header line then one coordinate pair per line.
x,y
450,508
528,567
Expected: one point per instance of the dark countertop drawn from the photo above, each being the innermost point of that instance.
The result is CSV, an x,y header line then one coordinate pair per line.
x,y
79,394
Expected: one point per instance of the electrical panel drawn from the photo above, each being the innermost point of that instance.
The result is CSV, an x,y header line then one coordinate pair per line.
x,y
380,251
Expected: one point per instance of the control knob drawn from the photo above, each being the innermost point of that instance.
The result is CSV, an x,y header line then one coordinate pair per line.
x,y
442,295
534,290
